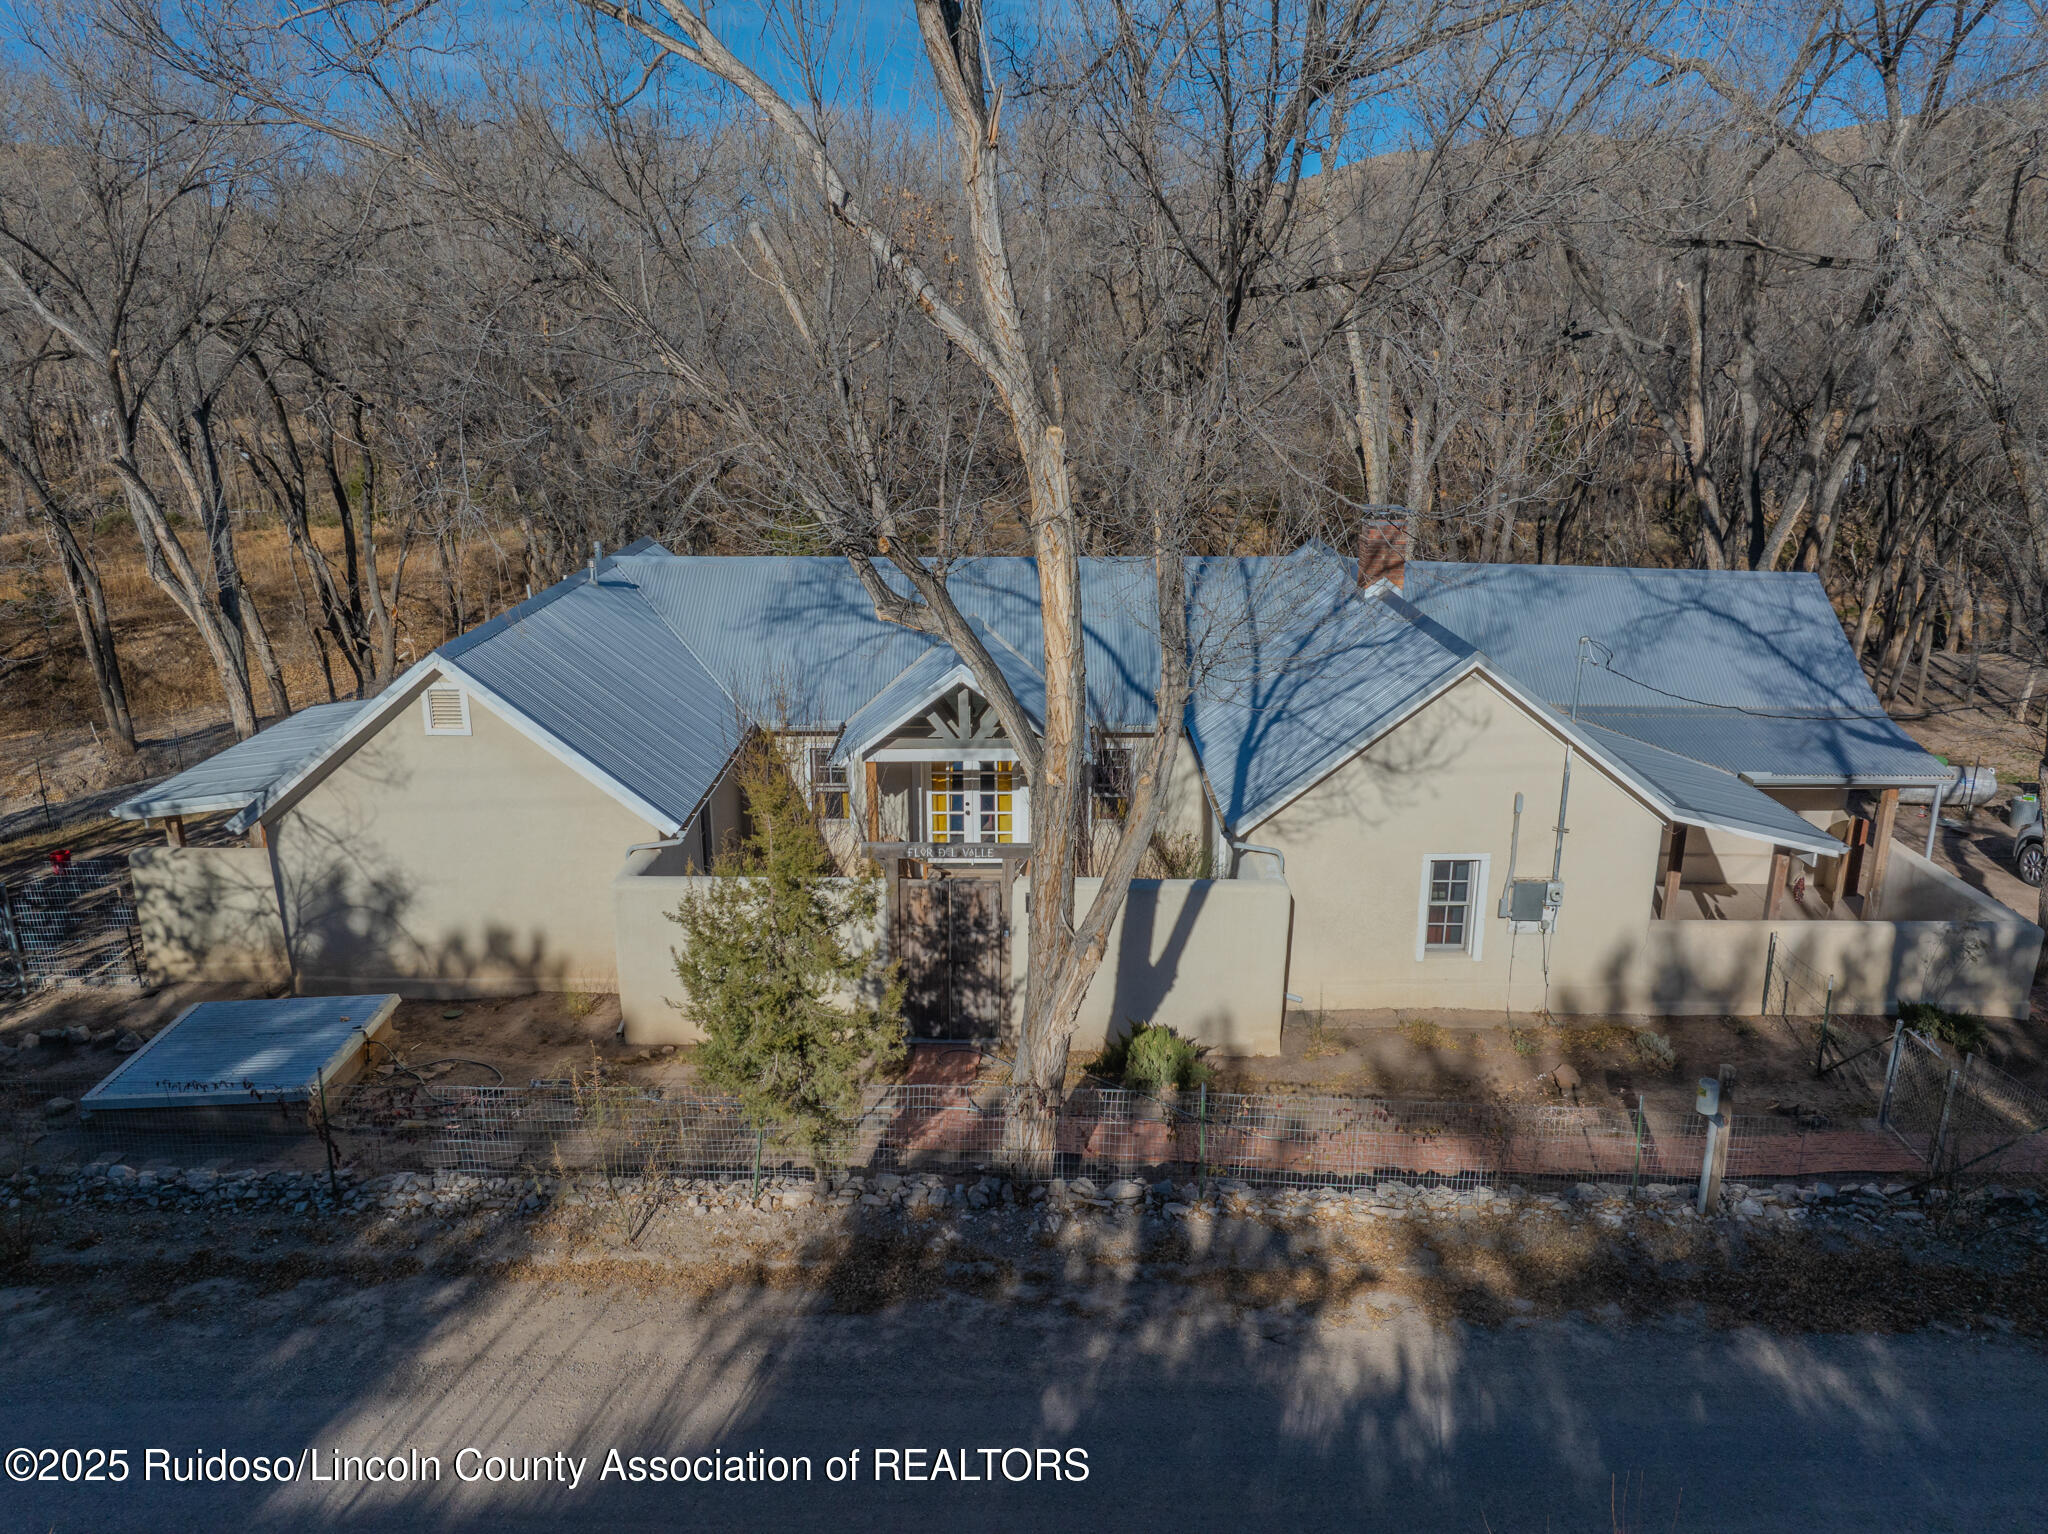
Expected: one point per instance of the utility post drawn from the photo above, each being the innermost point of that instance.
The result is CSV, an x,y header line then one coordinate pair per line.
x,y
1715,1103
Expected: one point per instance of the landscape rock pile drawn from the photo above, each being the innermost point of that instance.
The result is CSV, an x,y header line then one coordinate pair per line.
x,y
1047,1206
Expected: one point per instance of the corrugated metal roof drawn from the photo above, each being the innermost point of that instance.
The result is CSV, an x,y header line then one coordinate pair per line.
x,y
1869,752
935,671
1691,650
230,1052
1706,796
592,665
796,639
246,772
1292,687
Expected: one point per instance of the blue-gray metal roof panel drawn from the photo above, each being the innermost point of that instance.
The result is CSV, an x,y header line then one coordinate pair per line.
x,y
600,672
228,1052
1747,670
1704,795
796,639
247,771
1292,688
1862,751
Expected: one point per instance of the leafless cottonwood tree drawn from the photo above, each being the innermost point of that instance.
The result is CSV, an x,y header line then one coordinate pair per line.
x,y
37,435
91,226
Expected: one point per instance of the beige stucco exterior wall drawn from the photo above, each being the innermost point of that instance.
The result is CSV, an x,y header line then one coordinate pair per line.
x,y
1948,944
452,865
645,892
1443,784
208,913
1186,810
1207,957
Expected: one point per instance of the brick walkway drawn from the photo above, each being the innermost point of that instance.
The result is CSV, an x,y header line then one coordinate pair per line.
x,y
1341,1137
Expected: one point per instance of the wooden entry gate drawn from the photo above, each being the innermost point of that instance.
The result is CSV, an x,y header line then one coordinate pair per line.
x,y
951,936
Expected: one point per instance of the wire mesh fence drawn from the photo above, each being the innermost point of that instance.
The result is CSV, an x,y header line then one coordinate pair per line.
x,y
1965,1119
71,925
1998,1127
1800,999
609,1128
1916,1095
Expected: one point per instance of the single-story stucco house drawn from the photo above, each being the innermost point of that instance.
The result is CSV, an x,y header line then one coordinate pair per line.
x,y
1501,788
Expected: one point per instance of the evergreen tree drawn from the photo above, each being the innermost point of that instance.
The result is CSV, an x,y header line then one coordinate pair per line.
x,y
796,1018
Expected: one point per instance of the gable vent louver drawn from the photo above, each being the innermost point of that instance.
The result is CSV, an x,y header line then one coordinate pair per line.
x,y
447,711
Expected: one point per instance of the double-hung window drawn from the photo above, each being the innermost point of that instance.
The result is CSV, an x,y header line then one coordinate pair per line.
x,y
829,789
1110,782
1453,898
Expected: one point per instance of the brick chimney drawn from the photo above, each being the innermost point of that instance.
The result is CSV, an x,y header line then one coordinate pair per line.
x,y
1383,552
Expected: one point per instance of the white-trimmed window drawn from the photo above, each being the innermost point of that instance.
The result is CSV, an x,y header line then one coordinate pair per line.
x,y
445,710
831,794
1450,912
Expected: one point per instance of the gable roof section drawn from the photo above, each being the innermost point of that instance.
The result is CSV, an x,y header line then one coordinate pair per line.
x,y
248,771
932,675
592,667
1748,671
1294,688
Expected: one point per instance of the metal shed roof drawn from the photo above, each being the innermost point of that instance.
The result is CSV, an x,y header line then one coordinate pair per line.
x,y
239,1052
246,772
1700,795
1745,670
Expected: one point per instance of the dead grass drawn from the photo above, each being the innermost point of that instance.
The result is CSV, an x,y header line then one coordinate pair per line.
x,y
48,708
1324,1039
1480,1270
1436,1038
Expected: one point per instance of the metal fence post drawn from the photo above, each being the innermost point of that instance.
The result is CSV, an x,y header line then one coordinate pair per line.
x,y
1202,1140
327,1133
12,938
760,1135
1948,1097
1714,1164
1636,1176
1827,1012
1770,965
1891,1075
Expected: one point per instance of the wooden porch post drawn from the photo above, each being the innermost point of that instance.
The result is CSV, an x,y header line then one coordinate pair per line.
x,y
874,805
1774,894
1880,853
1674,866
174,830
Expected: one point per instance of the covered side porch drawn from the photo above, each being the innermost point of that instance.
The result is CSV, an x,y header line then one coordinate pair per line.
x,y
1839,870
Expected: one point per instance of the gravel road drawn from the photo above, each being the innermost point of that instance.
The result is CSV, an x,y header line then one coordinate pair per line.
x,y
1190,1414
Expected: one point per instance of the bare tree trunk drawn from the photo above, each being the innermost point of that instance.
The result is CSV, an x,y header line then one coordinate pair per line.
x,y
88,599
